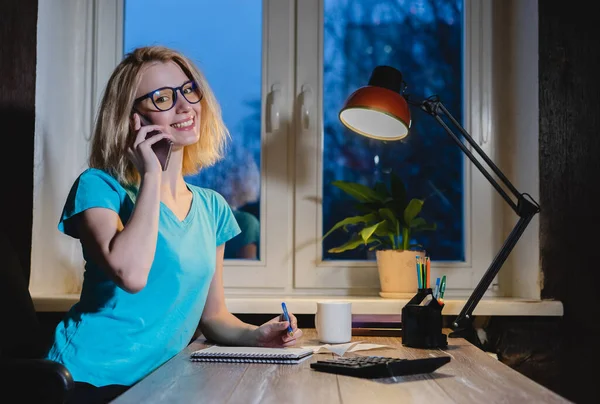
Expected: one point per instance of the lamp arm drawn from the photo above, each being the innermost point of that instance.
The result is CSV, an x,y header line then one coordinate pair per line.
x,y
463,324
433,106
525,207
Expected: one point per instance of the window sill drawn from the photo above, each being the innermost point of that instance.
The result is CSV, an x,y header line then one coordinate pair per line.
x,y
494,306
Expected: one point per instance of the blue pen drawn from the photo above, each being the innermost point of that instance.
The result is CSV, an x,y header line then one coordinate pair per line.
x,y
287,318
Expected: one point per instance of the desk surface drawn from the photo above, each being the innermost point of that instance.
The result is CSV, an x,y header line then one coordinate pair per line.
x,y
472,376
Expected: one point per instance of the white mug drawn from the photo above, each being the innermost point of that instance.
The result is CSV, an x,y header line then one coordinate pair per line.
x,y
333,322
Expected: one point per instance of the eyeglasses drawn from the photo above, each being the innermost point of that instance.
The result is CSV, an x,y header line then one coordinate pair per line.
x,y
164,98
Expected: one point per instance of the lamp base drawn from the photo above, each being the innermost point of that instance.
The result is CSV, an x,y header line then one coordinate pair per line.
x,y
467,331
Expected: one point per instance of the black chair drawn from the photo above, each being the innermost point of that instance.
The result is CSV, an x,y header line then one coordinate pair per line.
x,y
24,374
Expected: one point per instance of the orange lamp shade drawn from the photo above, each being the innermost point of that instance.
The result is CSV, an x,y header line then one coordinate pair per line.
x,y
378,110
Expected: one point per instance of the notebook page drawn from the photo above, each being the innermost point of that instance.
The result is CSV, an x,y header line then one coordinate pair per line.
x,y
251,352
249,360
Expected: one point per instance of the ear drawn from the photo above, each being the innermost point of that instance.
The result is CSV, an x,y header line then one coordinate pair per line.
x,y
134,121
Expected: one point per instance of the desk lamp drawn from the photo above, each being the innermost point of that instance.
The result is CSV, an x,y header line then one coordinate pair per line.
x,y
381,111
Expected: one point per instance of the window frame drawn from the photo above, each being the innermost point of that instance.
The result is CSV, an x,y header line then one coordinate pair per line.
x,y
361,277
277,32
290,252
101,27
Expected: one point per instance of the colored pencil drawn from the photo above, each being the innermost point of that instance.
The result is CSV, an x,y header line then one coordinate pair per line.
x,y
418,273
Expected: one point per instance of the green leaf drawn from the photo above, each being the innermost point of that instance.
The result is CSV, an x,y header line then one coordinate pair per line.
x,y
417,222
388,233
398,192
363,207
374,246
372,207
359,192
388,215
353,243
412,210
385,229
352,220
382,191
367,232
405,237
427,227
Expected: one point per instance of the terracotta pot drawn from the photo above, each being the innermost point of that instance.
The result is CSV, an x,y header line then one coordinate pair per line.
x,y
398,272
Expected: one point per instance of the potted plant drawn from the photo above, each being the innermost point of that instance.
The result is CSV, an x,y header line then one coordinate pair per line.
x,y
386,222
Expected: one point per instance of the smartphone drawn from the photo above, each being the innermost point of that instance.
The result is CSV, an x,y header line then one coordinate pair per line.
x,y
162,148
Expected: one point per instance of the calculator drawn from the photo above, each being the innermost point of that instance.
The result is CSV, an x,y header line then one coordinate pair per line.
x,y
373,367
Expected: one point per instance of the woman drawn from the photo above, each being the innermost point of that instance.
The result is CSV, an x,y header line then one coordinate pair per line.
x,y
153,244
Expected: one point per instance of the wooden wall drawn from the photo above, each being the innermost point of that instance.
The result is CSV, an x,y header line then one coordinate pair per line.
x,y
569,68
18,29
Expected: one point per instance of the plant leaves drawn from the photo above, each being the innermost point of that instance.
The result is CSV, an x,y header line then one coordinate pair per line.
x,y
388,215
398,193
397,186
426,227
363,207
360,192
367,232
382,191
387,233
376,245
384,229
412,210
354,242
372,207
419,224
352,220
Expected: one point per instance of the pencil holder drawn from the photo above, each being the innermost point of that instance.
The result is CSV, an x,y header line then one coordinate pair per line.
x,y
422,322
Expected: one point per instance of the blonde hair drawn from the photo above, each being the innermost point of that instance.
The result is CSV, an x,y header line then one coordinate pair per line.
x,y
113,134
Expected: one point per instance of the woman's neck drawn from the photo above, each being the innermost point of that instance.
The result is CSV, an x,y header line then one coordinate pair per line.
x,y
173,185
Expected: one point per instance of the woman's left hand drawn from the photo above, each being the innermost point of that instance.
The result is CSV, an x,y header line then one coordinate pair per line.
x,y
274,333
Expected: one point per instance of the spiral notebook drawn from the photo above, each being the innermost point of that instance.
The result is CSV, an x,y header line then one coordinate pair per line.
x,y
240,354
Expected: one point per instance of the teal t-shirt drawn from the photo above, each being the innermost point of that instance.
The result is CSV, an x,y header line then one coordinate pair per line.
x,y
114,337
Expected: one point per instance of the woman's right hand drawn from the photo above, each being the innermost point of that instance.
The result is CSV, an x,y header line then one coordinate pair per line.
x,y
141,153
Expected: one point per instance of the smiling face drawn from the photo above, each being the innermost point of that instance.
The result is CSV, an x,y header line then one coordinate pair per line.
x,y
183,119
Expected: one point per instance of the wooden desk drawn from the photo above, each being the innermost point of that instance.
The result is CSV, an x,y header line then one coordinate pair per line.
x,y
472,376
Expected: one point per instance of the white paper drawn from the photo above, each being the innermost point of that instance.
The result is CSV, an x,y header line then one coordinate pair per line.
x,y
341,349
243,351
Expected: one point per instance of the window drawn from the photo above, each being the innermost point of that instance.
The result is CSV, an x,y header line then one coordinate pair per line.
x,y
233,58
280,71
425,42
441,48
236,85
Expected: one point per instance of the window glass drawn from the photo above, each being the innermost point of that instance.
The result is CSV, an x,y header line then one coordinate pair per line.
x,y
224,39
422,39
